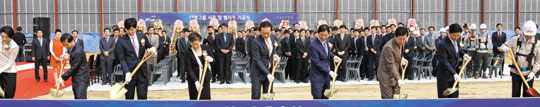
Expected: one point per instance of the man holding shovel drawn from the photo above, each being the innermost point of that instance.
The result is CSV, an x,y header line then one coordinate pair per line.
x,y
388,72
131,49
263,54
448,53
526,56
320,74
79,67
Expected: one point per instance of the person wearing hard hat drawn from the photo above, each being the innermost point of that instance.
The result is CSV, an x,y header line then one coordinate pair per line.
x,y
526,56
469,45
466,32
484,42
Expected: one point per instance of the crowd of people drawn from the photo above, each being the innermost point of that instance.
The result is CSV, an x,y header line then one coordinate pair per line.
x,y
310,53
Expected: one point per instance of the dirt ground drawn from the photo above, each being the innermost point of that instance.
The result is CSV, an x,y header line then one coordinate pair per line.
x,y
500,89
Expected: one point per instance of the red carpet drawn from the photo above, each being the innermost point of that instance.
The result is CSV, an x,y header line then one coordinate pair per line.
x,y
28,88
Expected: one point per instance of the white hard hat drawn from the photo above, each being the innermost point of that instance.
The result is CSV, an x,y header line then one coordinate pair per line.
x,y
416,32
411,29
483,26
473,26
443,30
529,28
447,28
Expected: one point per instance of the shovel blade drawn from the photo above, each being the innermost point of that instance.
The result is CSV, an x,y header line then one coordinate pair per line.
x,y
402,96
268,96
533,92
449,91
117,91
1,92
329,92
56,93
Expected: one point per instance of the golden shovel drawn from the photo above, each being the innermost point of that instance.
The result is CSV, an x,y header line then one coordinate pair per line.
x,y
401,95
268,95
454,89
206,64
117,90
330,92
530,90
56,92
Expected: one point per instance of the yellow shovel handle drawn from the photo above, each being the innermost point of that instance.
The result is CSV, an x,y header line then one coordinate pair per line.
x,y
206,64
511,54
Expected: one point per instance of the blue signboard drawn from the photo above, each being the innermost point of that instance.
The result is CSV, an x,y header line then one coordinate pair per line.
x,y
203,18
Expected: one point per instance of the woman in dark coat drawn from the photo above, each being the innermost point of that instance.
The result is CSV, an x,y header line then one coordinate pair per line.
x,y
195,58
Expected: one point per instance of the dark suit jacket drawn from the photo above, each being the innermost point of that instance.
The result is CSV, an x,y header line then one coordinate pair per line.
x,y
361,46
387,38
79,67
342,45
181,46
411,46
240,45
497,42
80,42
376,45
107,46
286,46
125,53
39,51
260,58
192,67
222,44
448,59
320,61
302,47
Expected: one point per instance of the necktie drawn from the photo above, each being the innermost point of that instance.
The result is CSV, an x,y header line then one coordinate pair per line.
x,y
40,41
224,38
455,47
499,35
106,39
269,46
186,41
325,48
135,46
372,39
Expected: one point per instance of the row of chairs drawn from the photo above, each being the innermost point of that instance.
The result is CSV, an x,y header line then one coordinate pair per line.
x,y
353,68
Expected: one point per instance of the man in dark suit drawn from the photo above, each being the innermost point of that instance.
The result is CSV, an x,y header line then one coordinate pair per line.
x,y
163,48
40,51
286,47
210,40
78,40
79,67
224,44
240,42
409,51
182,46
20,39
374,46
497,39
448,53
130,50
320,74
263,53
106,46
365,52
342,45
301,57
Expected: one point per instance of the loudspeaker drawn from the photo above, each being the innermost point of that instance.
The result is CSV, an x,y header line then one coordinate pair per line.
x,y
44,24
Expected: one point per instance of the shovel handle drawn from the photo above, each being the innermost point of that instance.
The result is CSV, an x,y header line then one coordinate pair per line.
x,y
206,64
138,66
403,69
511,54
276,64
461,71
336,70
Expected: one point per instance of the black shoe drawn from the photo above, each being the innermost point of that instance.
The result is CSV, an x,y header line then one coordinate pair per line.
x,y
183,81
296,81
222,82
37,80
229,82
305,81
46,80
213,80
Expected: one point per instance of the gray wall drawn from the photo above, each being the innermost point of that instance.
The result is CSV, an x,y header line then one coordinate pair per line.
x,y
84,14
